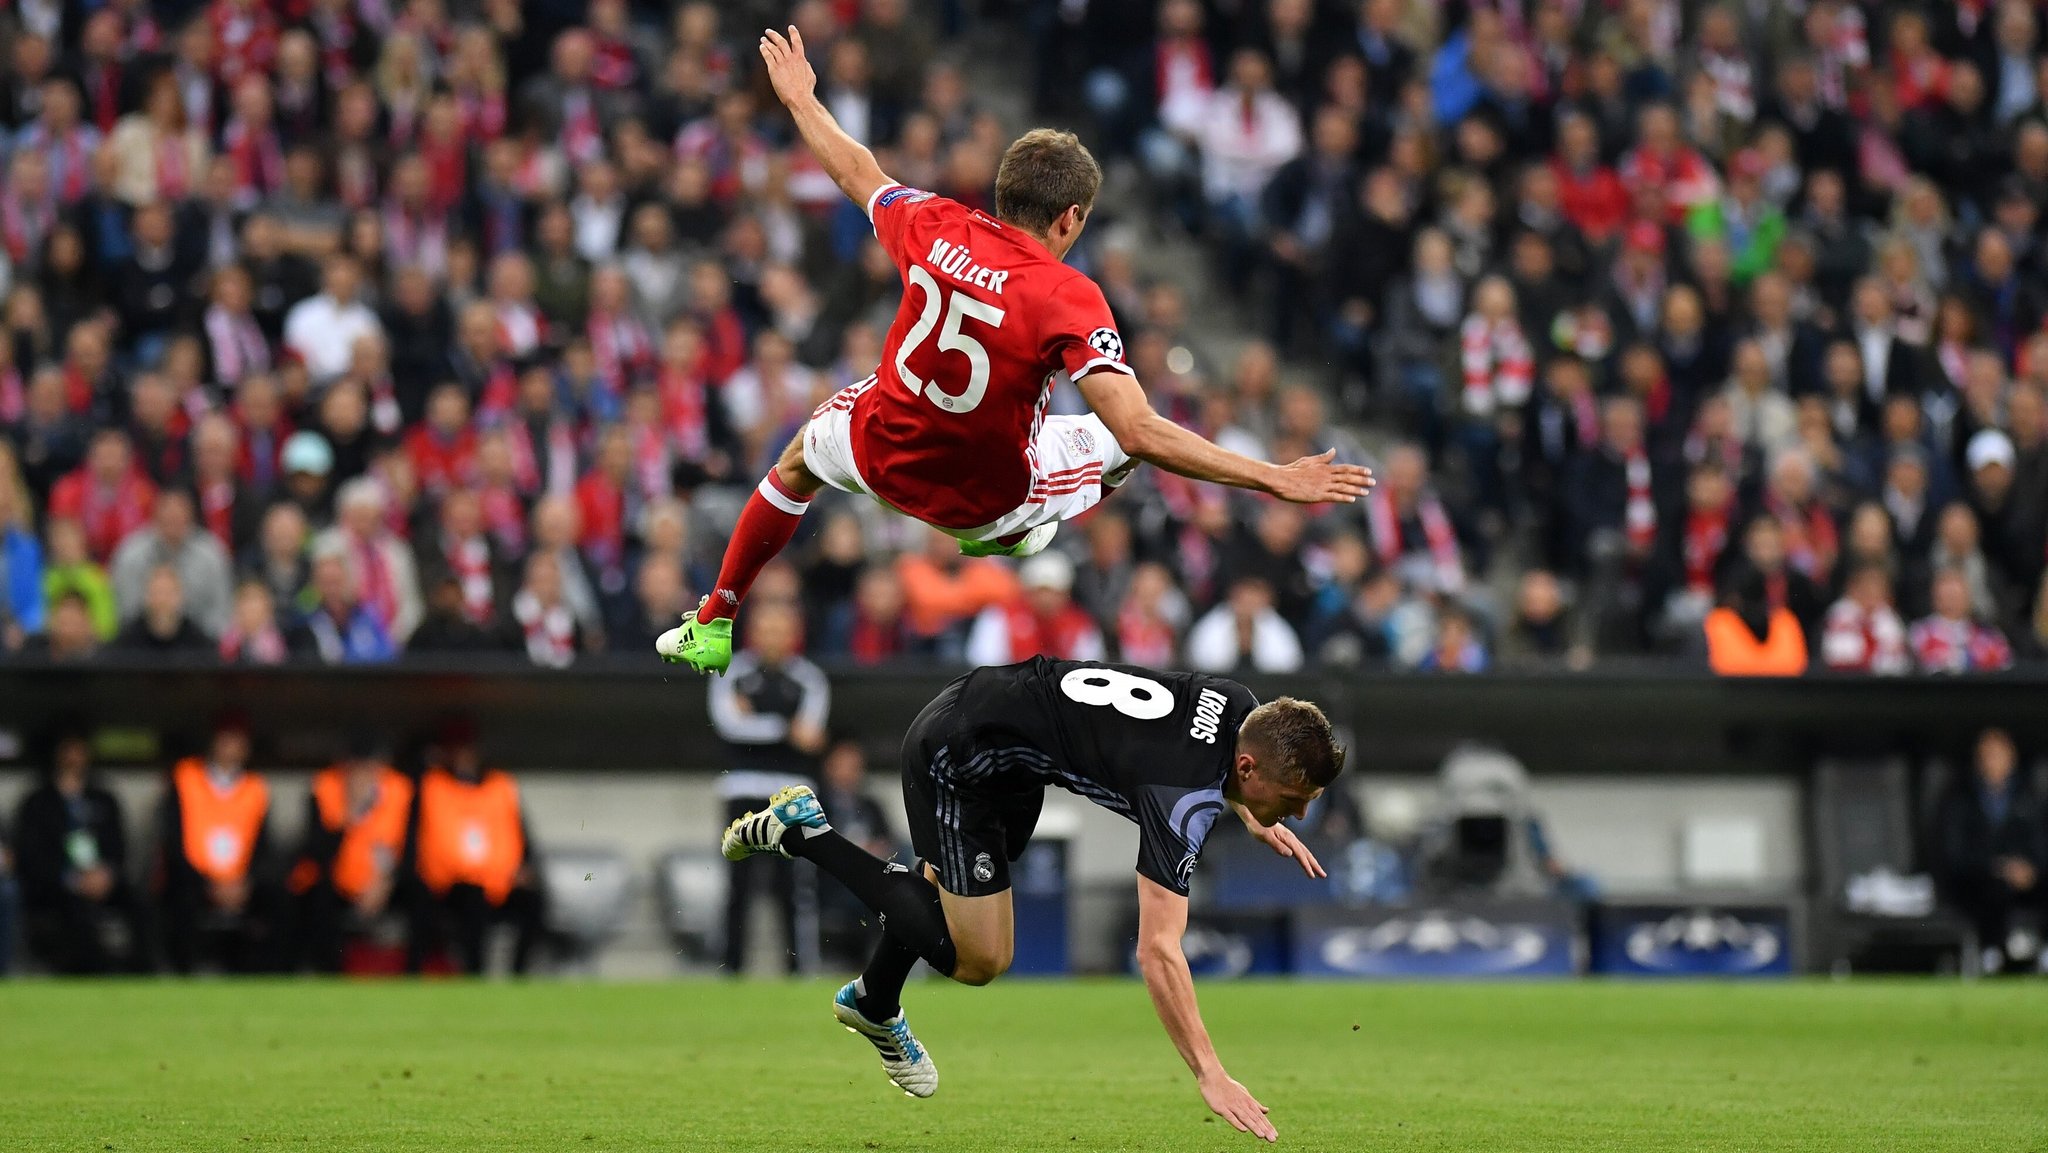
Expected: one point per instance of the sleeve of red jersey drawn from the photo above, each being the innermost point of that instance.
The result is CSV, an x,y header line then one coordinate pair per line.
x,y
1079,333
890,209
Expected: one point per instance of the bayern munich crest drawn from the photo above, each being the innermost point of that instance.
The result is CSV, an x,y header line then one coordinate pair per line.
x,y
1107,342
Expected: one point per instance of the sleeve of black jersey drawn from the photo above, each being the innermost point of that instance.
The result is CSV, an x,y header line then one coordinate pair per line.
x,y
1173,823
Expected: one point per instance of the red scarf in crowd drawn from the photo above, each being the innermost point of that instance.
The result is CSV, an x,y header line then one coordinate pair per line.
x,y
550,630
236,346
504,516
483,114
652,462
621,348
417,239
1639,516
684,413
526,458
582,134
613,66
1383,520
1499,368
263,647
1706,535
1809,535
469,559
23,226
257,158
217,511
447,172
378,586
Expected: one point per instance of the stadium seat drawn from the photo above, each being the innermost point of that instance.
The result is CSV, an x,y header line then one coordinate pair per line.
x,y
1863,823
589,893
690,884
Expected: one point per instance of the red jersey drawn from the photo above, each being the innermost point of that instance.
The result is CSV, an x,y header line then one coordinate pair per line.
x,y
988,318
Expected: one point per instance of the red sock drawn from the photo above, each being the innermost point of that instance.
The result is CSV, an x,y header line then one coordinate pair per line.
x,y
764,528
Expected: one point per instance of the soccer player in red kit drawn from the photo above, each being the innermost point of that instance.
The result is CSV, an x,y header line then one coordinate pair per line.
x,y
952,429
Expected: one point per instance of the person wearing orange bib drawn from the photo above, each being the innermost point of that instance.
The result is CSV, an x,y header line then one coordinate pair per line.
x,y
472,858
357,816
220,899
1748,636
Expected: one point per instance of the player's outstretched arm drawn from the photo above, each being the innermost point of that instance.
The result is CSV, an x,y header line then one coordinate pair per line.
x,y
1281,840
1162,920
846,160
1120,401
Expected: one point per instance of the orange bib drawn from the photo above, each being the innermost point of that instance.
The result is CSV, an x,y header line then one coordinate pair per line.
x,y
220,828
469,834
1734,651
370,844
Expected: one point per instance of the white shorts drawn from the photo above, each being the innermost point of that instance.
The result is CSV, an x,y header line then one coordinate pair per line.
x,y
1074,453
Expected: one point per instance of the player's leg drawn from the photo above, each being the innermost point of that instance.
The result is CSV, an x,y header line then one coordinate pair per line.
x,y
984,926
765,526
1079,463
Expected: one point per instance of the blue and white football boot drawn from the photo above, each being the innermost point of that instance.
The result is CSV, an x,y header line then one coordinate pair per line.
x,y
903,1058
762,832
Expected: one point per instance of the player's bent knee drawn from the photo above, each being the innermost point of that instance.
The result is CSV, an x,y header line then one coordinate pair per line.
x,y
974,971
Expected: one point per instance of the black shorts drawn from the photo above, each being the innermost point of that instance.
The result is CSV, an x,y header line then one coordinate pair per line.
x,y
968,832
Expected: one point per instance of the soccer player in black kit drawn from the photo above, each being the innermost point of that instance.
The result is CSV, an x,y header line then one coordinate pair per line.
x,y
1170,751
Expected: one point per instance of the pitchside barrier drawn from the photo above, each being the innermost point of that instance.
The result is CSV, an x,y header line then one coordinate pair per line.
x,y
626,714
1854,762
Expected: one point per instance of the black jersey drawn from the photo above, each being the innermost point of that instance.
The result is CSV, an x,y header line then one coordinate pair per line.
x,y
1154,746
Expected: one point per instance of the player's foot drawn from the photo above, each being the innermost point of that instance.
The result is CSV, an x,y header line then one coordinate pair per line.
x,y
1032,543
903,1059
762,832
705,646
1115,477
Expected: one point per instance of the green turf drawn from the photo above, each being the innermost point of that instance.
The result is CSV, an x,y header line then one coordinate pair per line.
x,y
1069,1066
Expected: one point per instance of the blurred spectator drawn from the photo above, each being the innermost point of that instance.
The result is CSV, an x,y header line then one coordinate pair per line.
x,y
22,580
339,628
322,330
1863,632
1990,846
548,626
380,565
1539,635
108,494
770,709
1749,637
1244,632
1041,620
472,863
1455,649
1951,639
161,625
72,636
81,915
253,636
174,539
942,589
220,898
842,784
358,816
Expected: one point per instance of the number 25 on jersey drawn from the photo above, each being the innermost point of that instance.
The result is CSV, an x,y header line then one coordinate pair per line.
x,y
957,307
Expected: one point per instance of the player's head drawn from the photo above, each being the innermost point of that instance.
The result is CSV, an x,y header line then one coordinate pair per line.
x,y
1046,186
1286,757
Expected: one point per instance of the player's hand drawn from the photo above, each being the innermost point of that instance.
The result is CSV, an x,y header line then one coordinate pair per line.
x,y
1235,1104
1285,843
788,70
1320,479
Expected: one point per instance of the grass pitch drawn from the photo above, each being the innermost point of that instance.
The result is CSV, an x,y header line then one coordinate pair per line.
x,y
1024,1066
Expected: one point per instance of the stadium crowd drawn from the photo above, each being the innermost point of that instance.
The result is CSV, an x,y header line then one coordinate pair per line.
x,y
348,331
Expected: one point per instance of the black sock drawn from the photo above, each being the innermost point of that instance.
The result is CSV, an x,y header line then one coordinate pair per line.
x,y
907,903
880,992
